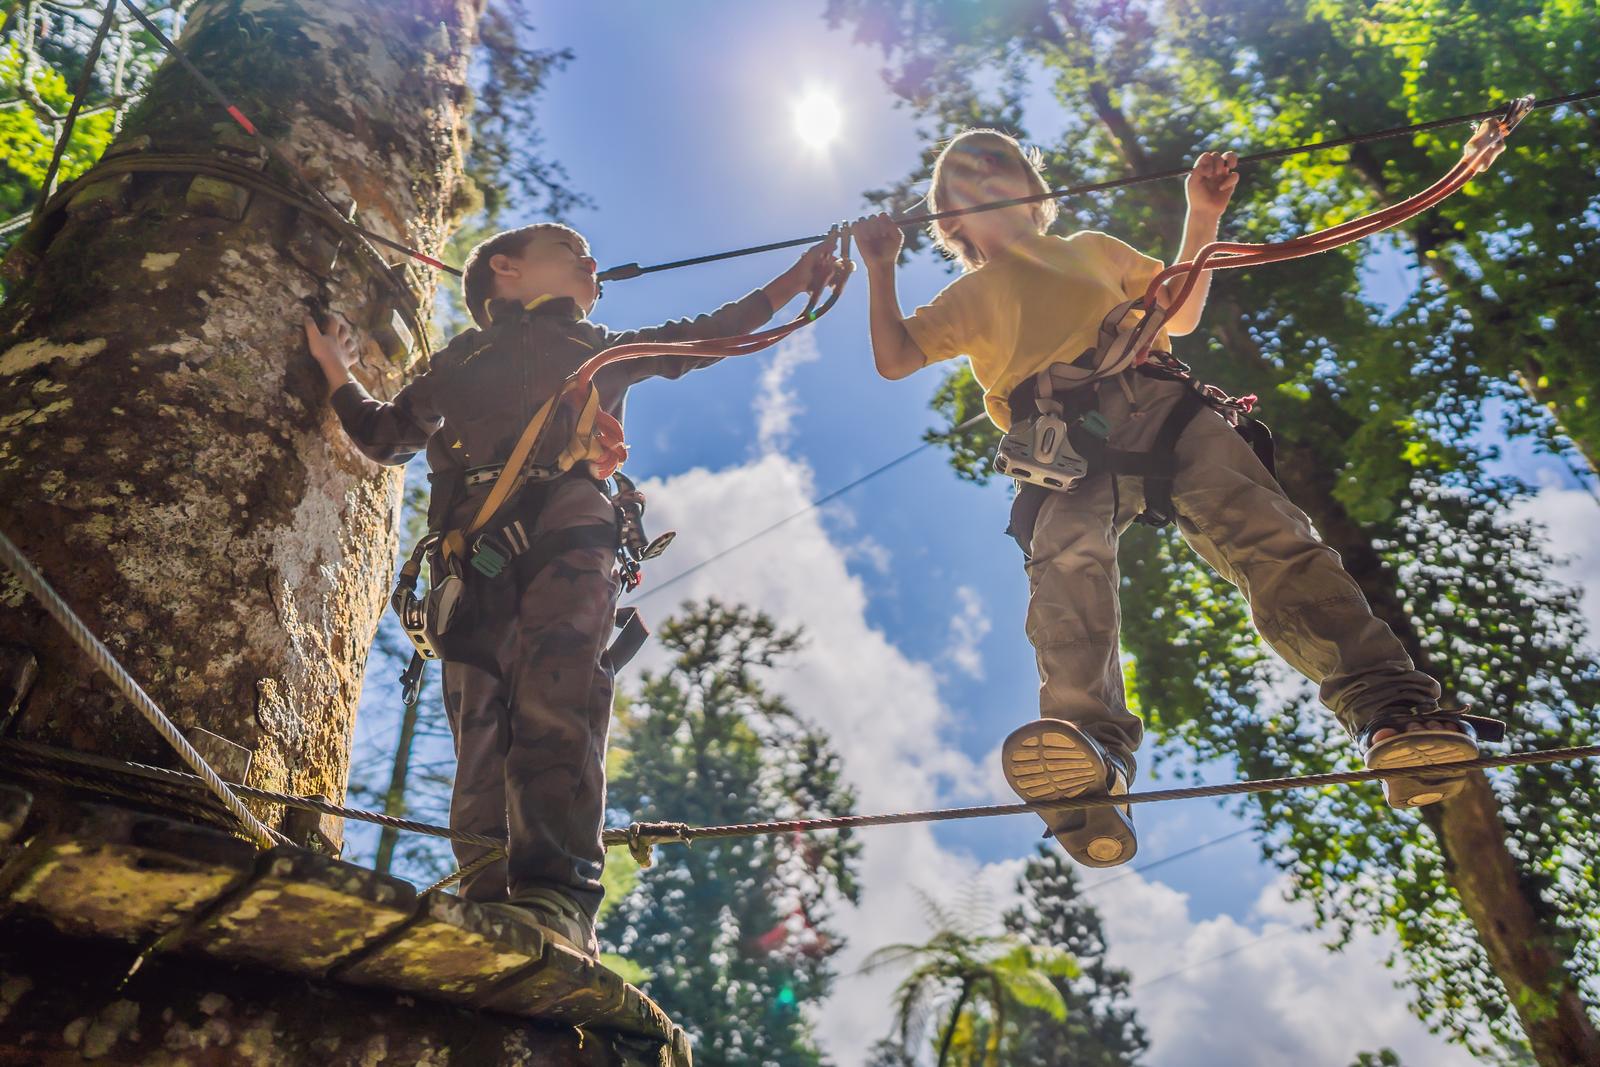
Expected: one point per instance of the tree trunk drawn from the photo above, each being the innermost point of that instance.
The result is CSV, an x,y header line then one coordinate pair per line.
x,y
167,455
1482,870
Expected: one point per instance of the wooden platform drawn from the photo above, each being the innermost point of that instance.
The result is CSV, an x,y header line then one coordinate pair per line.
x,y
105,874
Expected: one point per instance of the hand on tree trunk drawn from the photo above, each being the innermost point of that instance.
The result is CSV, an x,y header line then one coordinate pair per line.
x,y
334,351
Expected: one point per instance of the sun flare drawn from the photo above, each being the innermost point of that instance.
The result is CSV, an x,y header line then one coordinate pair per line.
x,y
817,119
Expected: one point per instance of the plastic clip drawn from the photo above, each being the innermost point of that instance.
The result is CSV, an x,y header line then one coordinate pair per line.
x,y
1095,424
489,556
1514,111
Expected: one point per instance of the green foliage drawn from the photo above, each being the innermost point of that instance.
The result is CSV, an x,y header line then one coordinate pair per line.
x,y
736,933
1098,1027
1376,410
26,142
971,992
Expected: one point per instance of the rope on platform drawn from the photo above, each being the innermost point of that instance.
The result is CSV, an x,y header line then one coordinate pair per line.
x,y
62,612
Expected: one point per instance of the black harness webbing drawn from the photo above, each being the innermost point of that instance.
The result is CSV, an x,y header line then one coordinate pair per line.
x,y
1157,467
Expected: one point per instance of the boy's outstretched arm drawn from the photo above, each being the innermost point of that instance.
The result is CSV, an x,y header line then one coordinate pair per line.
x,y
384,432
742,316
894,351
1208,188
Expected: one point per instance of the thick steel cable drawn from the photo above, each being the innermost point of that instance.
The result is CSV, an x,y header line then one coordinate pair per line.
x,y
634,270
462,873
102,658
647,833
79,92
672,831
47,753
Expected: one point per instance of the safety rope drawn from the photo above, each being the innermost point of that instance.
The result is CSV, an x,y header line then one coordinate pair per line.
x,y
634,270
102,658
1228,255
85,78
639,837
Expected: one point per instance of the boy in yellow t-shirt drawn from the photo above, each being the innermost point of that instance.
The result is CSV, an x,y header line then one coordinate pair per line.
x,y
1027,312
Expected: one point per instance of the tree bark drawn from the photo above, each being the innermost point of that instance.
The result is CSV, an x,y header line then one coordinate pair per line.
x,y
167,455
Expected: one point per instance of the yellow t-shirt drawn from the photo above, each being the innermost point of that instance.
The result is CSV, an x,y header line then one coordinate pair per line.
x,y
1039,302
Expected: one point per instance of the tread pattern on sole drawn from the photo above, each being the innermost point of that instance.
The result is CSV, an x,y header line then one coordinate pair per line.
x,y
1051,766
1420,750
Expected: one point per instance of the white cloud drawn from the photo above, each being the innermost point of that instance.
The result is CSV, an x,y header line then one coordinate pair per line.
x,y
968,627
1288,1000
776,405
1263,994
1569,516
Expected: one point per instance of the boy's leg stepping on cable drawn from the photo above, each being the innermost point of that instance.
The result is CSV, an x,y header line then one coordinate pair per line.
x,y
1051,759
1429,739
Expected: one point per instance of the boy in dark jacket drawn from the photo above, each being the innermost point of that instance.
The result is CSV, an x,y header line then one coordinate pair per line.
x,y
527,682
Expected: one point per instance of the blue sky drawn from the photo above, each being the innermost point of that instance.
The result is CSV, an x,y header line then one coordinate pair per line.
x,y
676,120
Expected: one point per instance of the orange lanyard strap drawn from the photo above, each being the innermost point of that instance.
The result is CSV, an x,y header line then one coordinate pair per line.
x,y
1228,255
597,435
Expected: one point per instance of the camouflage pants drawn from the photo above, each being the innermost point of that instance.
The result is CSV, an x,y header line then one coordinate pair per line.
x,y
1233,513
530,737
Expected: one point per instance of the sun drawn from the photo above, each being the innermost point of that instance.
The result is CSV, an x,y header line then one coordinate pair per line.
x,y
817,119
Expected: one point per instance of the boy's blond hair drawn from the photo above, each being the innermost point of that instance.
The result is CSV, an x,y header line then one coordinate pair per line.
x,y
477,277
946,236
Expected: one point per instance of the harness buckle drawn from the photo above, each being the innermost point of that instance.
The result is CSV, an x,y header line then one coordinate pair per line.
x,y
490,555
413,610
1039,451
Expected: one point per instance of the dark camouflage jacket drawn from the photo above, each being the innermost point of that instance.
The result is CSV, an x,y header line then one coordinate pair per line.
x,y
480,390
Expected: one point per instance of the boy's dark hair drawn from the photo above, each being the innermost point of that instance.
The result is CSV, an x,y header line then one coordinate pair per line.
x,y
477,277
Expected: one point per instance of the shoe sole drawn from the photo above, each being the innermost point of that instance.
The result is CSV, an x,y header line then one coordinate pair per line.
x,y
1050,760
1422,749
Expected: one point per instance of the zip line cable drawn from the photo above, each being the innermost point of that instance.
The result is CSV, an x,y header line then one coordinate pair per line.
x,y
808,509
634,270
238,116
1171,858
1234,951
85,78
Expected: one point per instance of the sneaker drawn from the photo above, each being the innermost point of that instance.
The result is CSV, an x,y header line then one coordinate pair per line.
x,y
1429,739
557,916
1051,759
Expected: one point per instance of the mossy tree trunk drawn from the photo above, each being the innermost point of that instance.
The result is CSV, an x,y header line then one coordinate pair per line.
x,y
167,457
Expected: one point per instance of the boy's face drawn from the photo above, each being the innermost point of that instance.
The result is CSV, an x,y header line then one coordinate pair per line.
x,y
981,170
553,263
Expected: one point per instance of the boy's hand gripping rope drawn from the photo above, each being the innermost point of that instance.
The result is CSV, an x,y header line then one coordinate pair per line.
x,y
634,270
1227,255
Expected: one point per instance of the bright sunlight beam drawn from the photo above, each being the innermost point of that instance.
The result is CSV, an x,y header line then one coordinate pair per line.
x,y
817,119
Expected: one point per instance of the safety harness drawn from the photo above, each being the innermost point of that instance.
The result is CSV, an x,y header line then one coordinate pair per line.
x,y
499,531
1057,440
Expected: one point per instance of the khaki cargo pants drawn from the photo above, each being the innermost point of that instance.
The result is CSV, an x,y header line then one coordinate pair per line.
x,y
530,737
1231,511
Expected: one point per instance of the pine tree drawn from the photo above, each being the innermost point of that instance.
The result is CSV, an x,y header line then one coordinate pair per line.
x,y
1100,1028
735,934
